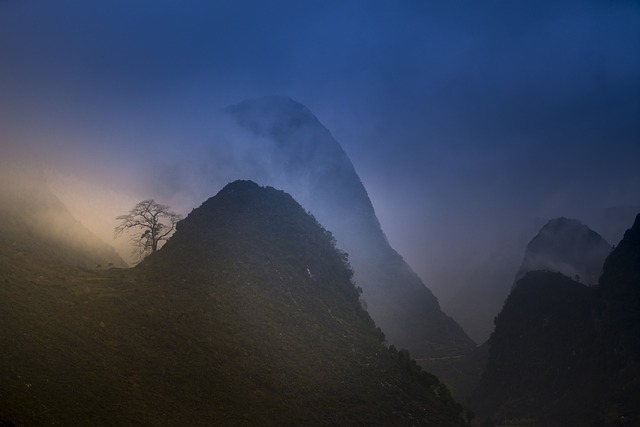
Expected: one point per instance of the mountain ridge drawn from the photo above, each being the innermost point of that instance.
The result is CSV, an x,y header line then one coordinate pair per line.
x,y
312,166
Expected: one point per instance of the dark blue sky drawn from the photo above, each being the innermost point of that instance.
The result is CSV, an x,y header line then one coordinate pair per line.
x,y
467,121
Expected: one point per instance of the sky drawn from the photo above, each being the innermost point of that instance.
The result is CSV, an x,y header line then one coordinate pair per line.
x,y
469,123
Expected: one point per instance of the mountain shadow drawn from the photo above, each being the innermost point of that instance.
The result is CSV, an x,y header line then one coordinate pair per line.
x,y
567,354
247,316
302,157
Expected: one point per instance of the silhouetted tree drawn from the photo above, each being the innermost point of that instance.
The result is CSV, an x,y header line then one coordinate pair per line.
x,y
150,223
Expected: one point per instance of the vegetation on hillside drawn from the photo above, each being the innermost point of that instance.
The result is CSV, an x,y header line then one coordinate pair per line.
x,y
247,316
148,224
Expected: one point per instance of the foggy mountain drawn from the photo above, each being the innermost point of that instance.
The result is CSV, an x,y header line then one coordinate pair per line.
x,y
569,247
568,354
247,316
462,129
301,156
561,244
35,223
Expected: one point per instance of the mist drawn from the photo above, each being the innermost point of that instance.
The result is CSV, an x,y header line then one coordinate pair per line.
x,y
469,126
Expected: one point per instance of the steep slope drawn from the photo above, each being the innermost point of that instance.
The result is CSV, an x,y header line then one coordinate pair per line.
x,y
541,351
619,320
569,247
567,354
247,316
33,221
311,165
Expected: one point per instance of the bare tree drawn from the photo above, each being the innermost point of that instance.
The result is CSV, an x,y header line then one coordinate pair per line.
x,y
150,223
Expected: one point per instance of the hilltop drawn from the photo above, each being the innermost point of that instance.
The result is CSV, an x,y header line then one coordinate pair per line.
x,y
569,247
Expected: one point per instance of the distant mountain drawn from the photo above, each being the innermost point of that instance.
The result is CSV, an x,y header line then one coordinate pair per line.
x,y
305,160
569,247
567,354
247,316
36,224
561,245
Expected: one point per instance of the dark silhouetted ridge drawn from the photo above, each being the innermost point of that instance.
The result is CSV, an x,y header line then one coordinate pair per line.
x,y
620,309
286,304
540,355
567,354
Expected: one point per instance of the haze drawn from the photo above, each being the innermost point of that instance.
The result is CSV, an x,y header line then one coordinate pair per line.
x,y
470,125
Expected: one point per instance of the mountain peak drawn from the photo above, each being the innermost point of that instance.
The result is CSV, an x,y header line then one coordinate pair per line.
x,y
569,247
306,161
270,103
239,187
272,115
565,225
260,224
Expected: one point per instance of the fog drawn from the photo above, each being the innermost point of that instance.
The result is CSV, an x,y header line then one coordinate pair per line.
x,y
470,126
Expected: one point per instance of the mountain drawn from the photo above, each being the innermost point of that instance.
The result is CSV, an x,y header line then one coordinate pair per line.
x,y
299,155
540,352
619,316
36,224
567,354
246,316
561,245
569,247
564,245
